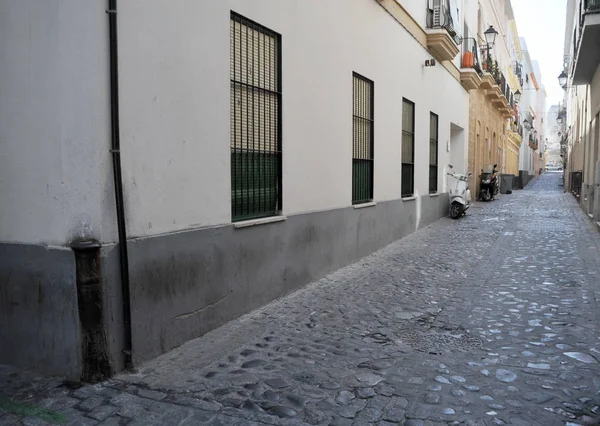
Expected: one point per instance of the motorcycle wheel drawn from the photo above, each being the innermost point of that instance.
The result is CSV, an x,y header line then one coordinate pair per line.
x,y
456,210
485,195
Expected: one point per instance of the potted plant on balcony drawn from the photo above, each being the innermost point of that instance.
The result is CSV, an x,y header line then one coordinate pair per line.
x,y
496,73
488,65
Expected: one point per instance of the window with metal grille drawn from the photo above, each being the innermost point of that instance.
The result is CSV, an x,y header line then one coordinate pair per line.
x,y
408,148
362,139
433,153
255,73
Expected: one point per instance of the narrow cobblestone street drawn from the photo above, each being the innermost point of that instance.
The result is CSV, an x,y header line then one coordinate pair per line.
x,y
487,320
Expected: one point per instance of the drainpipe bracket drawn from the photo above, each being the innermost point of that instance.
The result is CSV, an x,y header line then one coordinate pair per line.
x,y
85,245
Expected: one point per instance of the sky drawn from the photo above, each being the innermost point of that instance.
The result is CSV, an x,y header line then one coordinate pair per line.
x,y
545,34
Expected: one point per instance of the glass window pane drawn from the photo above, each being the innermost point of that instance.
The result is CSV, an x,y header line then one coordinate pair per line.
x,y
433,126
408,111
433,147
407,147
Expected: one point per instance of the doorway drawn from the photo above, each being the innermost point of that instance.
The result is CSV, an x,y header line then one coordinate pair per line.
x,y
457,149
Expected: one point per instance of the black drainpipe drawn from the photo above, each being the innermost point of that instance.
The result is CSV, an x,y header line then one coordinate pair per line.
x,y
116,155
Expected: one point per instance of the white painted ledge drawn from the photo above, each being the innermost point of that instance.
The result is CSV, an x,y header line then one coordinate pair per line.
x,y
365,205
258,222
409,198
437,194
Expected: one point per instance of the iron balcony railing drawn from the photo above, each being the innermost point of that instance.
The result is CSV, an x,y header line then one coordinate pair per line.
x,y
471,57
504,86
533,143
495,70
518,69
517,128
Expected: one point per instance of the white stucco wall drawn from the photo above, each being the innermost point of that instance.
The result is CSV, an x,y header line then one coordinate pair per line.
x,y
55,167
175,106
417,9
55,175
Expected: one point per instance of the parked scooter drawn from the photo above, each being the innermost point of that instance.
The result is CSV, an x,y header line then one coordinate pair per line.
x,y
489,183
460,195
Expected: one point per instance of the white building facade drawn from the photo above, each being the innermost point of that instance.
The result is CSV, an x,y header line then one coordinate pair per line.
x,y
257,154
581,134
554,131
532,113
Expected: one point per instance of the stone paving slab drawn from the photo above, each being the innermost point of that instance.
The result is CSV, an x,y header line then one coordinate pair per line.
x,y
488,320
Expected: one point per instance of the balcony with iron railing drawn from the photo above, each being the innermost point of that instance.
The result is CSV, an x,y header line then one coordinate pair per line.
x,y
518,70
587,42
516,127
500,93
442,38
533,142
470,67
515,133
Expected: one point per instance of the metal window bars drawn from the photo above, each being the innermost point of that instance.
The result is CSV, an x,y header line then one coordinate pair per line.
x,y
362,139
408,148
433,152
255,120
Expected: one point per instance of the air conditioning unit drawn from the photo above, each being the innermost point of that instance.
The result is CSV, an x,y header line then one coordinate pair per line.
x,y
437,17
442,18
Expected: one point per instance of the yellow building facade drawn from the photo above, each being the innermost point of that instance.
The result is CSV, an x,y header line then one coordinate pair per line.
x,y
487,133
494,134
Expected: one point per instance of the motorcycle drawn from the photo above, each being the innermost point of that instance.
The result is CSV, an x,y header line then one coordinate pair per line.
x,y
489,183
460,195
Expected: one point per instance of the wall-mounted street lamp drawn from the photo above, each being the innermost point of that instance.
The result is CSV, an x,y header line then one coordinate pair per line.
x,y
490,37
518,96
562,79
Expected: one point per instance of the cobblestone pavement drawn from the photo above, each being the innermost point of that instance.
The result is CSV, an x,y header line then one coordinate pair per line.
x,y
487,320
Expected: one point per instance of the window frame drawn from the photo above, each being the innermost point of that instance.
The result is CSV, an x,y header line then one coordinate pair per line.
x,y
433,189
410,191
243,205
367,178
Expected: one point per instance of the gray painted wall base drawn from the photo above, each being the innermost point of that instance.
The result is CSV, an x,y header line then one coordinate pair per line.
x,y
186,284
39,322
